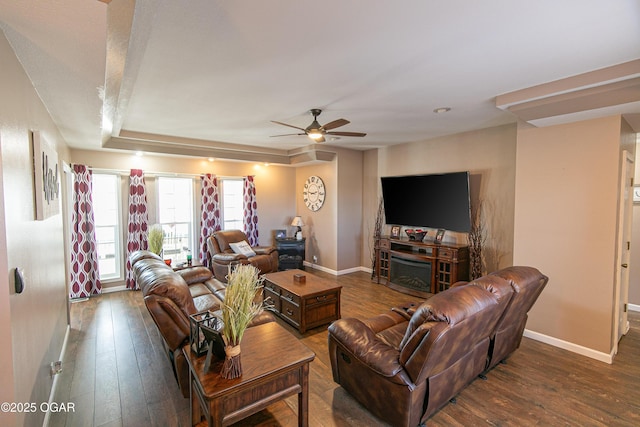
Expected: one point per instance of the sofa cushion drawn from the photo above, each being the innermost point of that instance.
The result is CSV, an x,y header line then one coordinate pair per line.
x,y
199,289
206,302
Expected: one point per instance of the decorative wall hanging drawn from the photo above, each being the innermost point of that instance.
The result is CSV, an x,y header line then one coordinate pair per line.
x,y
46,178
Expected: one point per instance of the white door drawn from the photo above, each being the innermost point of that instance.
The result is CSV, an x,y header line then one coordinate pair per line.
x,y
624,246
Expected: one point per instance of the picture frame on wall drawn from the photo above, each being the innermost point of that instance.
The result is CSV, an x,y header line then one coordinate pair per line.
x,y
46,178
636,194
395,232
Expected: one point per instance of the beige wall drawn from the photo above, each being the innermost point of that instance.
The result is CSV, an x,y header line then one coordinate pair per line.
x,y
349,215
489,156
320,228
334,232
32,324
567,179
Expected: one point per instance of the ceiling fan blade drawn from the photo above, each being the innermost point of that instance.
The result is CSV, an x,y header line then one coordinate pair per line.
x,y
336,124
288,134
347,133
284,124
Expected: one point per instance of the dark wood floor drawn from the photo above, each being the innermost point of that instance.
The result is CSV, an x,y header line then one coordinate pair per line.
x,y
117,374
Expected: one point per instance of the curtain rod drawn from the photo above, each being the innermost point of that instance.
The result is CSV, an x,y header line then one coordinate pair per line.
x,y
126,172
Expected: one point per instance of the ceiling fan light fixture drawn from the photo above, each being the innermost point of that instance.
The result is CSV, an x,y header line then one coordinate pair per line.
x,y
314,134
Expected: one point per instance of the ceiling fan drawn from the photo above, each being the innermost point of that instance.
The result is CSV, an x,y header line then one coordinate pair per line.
x,y
316,131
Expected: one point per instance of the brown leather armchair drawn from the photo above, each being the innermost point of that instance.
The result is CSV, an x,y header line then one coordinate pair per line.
x,y
265,259
404,367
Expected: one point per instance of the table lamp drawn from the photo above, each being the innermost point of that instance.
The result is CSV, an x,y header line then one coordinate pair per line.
x,y
297,222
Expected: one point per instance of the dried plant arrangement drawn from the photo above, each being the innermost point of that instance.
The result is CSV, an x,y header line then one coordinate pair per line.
x,y
156,239
238,310
477,240
377,232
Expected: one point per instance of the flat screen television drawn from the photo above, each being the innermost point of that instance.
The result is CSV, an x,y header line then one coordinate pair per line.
x,y
434,201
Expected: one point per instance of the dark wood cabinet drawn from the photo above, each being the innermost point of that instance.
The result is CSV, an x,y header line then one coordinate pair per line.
x,y
420,268
291,253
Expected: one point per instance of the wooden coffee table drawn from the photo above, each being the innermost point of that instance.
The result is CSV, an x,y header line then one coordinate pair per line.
x,y
304,305
275,365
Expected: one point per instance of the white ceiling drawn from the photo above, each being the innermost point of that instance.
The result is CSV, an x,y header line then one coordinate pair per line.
x,y
202,76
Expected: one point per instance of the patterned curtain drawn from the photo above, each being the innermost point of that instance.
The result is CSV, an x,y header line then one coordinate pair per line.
x,y
250,207
137,230
210,208
85,278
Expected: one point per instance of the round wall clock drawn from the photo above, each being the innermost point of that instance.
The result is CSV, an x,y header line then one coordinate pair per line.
x,y
313,193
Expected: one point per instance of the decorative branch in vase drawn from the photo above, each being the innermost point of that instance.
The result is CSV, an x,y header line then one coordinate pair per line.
x,y
377,232
477,240
238,310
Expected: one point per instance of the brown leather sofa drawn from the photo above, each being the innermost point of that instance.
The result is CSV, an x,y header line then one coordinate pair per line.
x,y
404,365
527,284
221,254
171,296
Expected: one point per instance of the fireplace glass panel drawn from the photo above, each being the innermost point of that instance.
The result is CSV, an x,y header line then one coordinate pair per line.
x,y
411,274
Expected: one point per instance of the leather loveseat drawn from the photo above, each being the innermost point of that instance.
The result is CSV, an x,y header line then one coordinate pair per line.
x,y
404,365
265,258
171,296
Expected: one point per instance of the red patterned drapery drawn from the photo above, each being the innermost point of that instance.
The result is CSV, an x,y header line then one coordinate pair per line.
x,y
137,225
85,278
210,208
250,208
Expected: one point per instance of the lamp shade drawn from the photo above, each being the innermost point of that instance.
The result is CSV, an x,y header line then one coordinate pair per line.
x,y
297,221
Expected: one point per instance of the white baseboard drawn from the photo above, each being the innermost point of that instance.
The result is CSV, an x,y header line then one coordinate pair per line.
x,y
114,289
47,414
336,272
575,348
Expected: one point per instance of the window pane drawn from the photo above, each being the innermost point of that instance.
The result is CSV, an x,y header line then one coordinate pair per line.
x,y
232,206
175,214
105,196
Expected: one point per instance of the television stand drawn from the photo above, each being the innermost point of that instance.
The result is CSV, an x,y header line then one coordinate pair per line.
x,y
420,268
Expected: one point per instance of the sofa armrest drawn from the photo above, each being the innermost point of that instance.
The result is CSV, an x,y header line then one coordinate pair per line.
x,y
226,258
363,344
197,274
263,250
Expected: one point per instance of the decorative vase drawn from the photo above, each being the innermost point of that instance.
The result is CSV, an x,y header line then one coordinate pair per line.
x,y
232,366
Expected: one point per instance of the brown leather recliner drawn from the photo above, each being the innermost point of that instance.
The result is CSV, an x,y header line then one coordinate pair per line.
x,y
171,297
403,367
527,284
265,260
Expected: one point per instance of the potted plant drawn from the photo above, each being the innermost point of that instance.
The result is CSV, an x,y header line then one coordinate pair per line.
x,y
156,239
238,309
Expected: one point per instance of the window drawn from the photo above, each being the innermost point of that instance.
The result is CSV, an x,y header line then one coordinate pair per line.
x,y
106,214
175,215
232,204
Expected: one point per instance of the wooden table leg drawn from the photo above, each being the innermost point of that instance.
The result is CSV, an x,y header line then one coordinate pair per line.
x,y
193,400
303,397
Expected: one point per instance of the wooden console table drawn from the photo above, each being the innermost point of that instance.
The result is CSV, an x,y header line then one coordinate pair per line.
x,y
448,263
275,365
304,305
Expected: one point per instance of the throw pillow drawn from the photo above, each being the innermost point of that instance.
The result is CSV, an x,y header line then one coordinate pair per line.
x,y
242,248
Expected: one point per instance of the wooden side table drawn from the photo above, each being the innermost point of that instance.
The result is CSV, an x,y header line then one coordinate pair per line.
x,y
275,365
